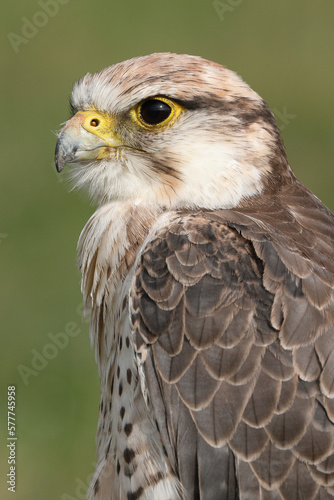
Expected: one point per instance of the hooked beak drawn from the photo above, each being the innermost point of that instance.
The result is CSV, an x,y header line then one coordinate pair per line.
x,y
87,136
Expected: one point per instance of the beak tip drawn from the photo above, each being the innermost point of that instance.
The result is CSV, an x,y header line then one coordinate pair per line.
x,y
63,153
59,164
58,160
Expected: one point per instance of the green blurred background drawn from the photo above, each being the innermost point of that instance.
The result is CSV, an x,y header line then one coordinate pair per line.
x,y
284,50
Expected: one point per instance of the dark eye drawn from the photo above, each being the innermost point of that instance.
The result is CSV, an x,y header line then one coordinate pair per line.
x,y
154,111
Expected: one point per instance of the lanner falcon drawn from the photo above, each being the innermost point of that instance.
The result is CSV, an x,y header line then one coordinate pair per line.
x,y
208,273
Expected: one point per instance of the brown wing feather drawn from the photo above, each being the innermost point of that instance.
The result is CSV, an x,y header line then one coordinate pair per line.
x,y
234,310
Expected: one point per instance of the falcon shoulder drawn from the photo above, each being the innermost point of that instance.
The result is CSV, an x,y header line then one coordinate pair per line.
x,y
243,400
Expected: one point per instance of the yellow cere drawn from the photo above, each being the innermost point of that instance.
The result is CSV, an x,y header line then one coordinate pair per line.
x,y
102,125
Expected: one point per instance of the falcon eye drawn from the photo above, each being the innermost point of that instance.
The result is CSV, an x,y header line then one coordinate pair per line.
x,y
154,111
95,122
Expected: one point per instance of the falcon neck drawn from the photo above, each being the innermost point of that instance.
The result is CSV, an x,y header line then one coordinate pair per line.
x,y
108,245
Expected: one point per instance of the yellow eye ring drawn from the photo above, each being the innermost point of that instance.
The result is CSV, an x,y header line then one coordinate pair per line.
x,y
156,113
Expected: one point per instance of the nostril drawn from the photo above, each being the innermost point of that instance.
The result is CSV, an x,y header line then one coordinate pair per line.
x,y
95,122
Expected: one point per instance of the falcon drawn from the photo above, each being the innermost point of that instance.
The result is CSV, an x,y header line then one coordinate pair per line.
x,y
208,273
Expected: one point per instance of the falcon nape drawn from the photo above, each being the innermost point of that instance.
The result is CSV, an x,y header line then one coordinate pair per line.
x,y
208,274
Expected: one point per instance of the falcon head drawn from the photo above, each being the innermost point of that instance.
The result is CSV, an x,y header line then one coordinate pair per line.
x,y
175,130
